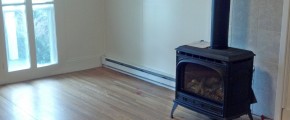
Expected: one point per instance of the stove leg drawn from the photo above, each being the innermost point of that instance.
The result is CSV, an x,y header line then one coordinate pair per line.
x,y
173,109
250,115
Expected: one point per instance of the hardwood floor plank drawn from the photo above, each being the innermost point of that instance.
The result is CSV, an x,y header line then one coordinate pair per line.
x,y
107,98
96,94
11,112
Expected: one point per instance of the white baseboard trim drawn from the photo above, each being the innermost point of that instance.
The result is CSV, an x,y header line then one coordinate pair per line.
x,y
139,72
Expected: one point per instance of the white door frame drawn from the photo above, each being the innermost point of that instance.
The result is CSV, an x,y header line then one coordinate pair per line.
x,y
284,63
33,72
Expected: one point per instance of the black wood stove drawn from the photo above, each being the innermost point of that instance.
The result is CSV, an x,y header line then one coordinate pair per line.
x,y
216,80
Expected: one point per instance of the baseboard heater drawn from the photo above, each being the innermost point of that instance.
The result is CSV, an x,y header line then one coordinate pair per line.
x,y
140,73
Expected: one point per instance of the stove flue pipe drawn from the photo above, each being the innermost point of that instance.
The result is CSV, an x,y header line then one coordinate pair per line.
x,y
220,24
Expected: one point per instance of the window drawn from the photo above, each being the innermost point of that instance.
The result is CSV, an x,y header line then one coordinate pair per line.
x,y
44,27
16,35
17,39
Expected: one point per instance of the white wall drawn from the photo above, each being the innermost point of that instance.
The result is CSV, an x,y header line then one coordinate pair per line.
x,y
146,32
124,29
256,25
81,32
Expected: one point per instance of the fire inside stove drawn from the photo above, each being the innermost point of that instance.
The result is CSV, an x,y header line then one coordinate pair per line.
x,y
204,82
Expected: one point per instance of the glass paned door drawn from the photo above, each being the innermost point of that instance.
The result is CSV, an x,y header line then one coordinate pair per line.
x,y
30,34
45,38
16,37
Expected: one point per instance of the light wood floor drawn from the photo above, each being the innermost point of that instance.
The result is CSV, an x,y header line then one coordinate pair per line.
x,y
96,94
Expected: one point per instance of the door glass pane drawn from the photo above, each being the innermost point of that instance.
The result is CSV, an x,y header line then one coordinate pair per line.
x,y
45,38
16,38
12,1
41,1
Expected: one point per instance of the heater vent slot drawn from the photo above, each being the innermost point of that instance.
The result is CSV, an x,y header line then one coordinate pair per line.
x,y
200,58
